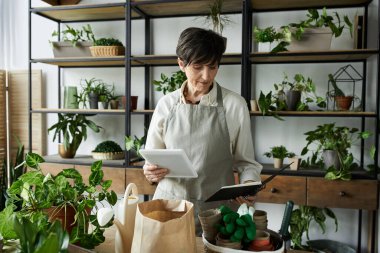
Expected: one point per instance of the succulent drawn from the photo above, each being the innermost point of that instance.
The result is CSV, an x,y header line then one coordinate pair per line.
x,y
108,146
108,42
236,227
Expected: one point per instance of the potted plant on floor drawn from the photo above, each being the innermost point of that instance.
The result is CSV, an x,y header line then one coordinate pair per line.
x,y
279,153
107,47
168,84
37,195
332,144
108,150
301,220
74,43
73,128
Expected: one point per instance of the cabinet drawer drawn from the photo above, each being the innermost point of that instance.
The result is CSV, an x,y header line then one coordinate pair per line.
x,y
283,188
356,194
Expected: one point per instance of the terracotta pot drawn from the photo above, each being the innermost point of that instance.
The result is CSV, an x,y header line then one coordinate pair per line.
x,y
65,216
133,102
226,243
66,153
343,103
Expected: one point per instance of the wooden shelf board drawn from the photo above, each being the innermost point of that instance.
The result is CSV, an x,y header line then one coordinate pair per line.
x,y
90,111
85,12
306,56
301,4
83,160
312,172
184,8
137,60
320,113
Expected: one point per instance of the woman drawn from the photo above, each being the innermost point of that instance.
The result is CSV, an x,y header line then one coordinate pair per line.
x,y
210,123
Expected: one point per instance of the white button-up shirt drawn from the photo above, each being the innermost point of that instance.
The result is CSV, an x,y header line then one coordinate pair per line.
x,y
238,123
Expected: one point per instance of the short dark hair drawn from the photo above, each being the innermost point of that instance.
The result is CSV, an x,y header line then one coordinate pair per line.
x,y
197,45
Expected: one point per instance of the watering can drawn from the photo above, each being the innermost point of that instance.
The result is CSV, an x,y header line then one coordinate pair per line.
x,y
126,225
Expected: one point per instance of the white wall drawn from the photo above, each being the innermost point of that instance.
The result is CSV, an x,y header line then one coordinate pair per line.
x,y
267,132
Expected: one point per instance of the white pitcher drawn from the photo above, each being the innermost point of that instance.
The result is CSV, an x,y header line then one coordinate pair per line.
x,y
125,227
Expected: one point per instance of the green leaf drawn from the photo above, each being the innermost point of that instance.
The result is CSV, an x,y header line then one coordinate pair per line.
x,y
33,160
6,223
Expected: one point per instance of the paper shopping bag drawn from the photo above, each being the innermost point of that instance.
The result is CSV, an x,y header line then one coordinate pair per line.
x,y
164,226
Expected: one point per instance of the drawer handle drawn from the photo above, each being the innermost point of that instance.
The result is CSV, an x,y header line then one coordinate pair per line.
x,y
273,190
342,194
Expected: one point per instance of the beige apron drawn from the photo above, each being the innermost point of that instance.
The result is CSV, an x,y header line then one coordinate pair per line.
x,y
202,132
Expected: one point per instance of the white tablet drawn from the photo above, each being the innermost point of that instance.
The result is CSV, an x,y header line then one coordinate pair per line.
x,y
175,160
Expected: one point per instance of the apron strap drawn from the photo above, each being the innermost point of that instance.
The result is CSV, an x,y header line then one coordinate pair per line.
x,y
219,97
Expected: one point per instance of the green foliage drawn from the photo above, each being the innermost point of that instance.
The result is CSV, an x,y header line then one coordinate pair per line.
x,y
301,220
279,152
216,18
108,146
303,84
313,20
108,42
37,192
268,105
35,239
95,86
340,139
336,92
75,35
270,35
169,84
73,128
135,143
16,170
236,228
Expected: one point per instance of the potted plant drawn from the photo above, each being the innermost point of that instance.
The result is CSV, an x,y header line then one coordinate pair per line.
x,y
135,143
169,84
332,143
342,102
292,92
279,153
73,128
74,43
270,104
270,35
216,18
301,32
37,195
107,47
108,150
301,221
92,90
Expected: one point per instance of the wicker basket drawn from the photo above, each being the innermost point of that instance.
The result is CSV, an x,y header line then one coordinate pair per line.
x,y
108,156
107,50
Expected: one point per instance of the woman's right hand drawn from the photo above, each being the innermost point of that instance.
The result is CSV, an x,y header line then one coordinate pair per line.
x,y
153,173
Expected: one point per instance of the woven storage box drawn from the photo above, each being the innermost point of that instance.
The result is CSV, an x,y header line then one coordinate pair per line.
x,y
107,50
107,156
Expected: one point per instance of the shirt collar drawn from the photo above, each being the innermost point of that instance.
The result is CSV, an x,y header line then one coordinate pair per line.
x,y
207,99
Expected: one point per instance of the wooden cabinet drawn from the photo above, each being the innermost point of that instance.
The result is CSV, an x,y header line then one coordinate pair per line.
x,y
316,191
282,188
356,194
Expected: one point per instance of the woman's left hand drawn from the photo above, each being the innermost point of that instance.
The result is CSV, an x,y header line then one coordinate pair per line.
x,y
249,200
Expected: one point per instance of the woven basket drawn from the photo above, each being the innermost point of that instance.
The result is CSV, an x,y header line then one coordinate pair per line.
x,y
107,50
107,156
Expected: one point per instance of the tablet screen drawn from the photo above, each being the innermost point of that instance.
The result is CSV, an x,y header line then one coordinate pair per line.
x,y
175,160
